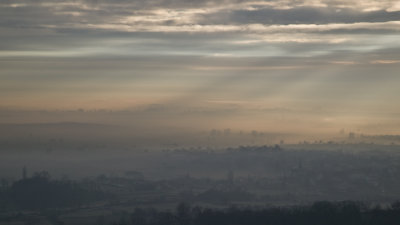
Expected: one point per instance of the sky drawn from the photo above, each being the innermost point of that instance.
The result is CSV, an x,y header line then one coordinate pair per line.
x,y
275,65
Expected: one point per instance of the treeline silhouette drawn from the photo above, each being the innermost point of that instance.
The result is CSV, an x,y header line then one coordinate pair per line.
x,y
323,213
40,192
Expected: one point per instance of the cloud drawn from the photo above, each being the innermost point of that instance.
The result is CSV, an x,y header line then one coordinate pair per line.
x,y
75,28
385,62
186,16
302,15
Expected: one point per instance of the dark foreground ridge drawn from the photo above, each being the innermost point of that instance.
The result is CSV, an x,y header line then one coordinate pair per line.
x,y
326,213
319,213
40,200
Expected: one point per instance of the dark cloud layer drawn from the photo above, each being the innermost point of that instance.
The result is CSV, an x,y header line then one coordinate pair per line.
x,y
302,15
85,14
